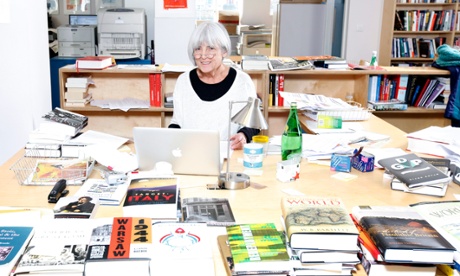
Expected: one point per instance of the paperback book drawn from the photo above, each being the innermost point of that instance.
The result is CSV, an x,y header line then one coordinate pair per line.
x,y
76,207
185,246
257,247
119,246
213,211
106,194
58,246
156,197
67,117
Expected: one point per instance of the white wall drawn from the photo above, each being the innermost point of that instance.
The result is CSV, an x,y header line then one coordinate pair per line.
x,y
361,29
25,90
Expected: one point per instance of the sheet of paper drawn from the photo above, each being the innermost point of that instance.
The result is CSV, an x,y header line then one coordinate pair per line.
x,y
92,137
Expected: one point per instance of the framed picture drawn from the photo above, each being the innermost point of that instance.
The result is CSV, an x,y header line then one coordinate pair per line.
x,y
109,4
53,6
77,6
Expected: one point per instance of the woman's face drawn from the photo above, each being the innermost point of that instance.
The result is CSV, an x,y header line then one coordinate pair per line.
x,y
207,58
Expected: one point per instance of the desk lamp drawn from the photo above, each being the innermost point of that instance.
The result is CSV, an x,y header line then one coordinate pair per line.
x,y
248,116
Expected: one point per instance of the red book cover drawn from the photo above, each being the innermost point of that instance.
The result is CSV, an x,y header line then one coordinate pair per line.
x,y
155,89
422,91
280,88
121,235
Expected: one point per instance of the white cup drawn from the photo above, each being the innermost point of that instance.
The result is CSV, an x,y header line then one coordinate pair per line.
x,y
253,155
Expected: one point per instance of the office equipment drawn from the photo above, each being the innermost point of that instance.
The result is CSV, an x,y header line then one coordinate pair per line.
x,y
195,152
121,32
82,19
248,116
76,41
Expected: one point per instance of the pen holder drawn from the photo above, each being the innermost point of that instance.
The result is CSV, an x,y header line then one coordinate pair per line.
x,y
363,161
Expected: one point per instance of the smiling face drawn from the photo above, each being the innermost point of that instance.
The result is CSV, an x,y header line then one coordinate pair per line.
x,y
208,59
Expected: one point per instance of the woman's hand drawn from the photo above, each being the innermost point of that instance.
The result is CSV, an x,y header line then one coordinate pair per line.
x,y
237,141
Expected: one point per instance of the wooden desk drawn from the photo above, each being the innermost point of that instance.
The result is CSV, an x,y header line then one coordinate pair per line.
x,y
254,205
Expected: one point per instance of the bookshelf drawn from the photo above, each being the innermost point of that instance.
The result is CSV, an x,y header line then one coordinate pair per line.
x,y
120,83
393,38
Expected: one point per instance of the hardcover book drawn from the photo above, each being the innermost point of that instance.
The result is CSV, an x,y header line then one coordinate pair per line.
x,y
402,235
119,246
94,62
318,223
181,249
58,246
152,196
257,247
213,211
413,170
67,117
444,216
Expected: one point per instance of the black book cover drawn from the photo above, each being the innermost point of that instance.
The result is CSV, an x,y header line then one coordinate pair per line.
x,y
413,170
399,233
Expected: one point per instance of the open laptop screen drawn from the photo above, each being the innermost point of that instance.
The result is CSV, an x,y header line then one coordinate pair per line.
x,y
194,152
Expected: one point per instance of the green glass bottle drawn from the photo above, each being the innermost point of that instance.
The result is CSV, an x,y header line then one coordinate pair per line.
x,y
291,140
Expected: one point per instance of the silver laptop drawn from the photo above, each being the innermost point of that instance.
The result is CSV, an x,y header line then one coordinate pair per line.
x,y
195,152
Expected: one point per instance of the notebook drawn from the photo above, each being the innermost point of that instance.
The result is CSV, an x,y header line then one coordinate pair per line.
x,y
195,152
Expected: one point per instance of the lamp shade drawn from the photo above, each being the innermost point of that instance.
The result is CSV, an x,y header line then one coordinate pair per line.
x,y
251,115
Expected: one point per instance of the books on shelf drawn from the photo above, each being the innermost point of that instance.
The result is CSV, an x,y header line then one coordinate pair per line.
x,y
318,223
58,246
119,246
387,105
106,194
76,207
156,197
213,211
94,62
413,170
254,62
402,235
256,248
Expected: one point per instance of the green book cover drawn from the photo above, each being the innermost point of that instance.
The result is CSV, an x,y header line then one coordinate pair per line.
x,y
256,243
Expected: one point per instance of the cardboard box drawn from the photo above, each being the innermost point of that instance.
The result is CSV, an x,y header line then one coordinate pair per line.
x,y
363,161
341,162
231,28
229,17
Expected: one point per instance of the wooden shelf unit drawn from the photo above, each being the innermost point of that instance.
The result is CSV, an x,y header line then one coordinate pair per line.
x,y
390,7
121,83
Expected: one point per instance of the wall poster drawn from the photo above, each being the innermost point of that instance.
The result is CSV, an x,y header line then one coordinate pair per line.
x,y
174,4
77,6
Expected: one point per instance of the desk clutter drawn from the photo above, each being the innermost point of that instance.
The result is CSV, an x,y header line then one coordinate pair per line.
x,y
318,237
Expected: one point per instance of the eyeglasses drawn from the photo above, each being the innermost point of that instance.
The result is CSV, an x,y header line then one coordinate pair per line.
x,y
209,54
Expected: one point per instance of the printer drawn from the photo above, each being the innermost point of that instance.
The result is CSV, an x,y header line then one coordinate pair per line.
x,y
76,41
121,32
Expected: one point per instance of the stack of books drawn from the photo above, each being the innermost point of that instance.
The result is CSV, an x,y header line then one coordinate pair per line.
x,y
57,127
254,62
413,174
254,249
396,240
331,63
320,235
77,91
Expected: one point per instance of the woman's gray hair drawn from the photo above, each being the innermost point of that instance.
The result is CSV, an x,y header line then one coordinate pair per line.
x,y
211,33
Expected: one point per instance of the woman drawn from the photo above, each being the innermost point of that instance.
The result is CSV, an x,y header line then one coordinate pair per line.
x,y
202,95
